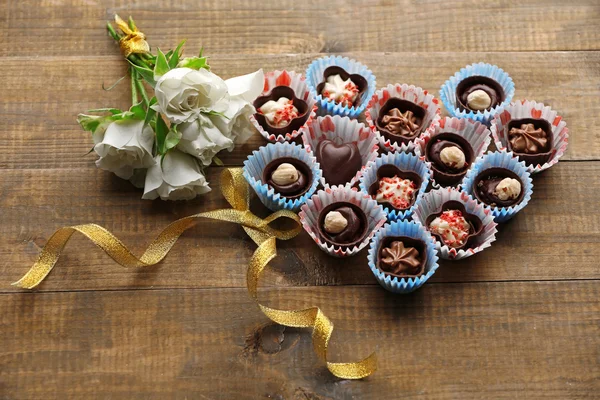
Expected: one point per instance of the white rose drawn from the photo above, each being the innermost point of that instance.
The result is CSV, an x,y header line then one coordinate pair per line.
x,y
124,146
202,139
179,178
182,93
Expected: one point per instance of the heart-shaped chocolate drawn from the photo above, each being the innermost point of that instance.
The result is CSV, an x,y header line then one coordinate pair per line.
x,y
399,128
389,171
443,174
339,162
531,158
476,226
275,94
360,82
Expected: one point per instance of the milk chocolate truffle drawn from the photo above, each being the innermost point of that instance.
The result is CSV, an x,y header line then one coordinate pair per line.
x,y
343,224
339,162
394,187
400,120
530,139
280,111
479,93
402,256
450,156
341,87
288,176
453,226
498,187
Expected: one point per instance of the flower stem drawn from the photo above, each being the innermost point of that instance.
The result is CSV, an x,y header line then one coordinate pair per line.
x,y
141,90
134,58
134,95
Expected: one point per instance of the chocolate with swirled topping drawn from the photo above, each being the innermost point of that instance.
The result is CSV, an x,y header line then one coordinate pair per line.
x,y
530,139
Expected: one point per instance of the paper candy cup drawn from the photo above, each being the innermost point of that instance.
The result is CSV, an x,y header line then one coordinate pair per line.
x,y
309,216
431,203
314,76
508,161
298,84
477,134
530,109
405,92
409,229
258,160
448,91
341,130
405,162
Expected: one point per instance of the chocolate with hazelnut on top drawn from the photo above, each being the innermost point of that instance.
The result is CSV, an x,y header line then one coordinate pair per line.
x,y
450,156
342,224
402,256
478,94
498,187
288,176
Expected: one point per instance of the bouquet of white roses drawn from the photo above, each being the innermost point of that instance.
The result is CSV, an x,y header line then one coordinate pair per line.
x,y
164,143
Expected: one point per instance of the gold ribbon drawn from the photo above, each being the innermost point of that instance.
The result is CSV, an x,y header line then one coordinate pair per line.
x,y
134,41
236,191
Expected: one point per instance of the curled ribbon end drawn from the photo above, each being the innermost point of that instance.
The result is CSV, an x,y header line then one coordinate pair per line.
x,y
356,370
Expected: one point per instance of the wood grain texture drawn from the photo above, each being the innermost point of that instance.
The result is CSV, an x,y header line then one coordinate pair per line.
x,y
469,341
287,26
39,109
562,210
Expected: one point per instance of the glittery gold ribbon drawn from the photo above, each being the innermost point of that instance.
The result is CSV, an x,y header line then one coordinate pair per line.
x,y
236,191
134,41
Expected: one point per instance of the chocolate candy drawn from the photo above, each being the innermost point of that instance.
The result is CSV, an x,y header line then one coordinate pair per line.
x,y
453,226
355,229
295,122
530,139
450,156
400,120
290,188
339,162
402,256
476,92
498,187
346,95
395,196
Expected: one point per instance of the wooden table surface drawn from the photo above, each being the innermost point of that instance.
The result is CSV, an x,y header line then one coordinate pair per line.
x,y
520,320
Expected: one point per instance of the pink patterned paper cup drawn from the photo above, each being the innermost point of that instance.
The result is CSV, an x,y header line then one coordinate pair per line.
x,y
297,83
475,133
528,109
412,94
433,202
342,131
311,211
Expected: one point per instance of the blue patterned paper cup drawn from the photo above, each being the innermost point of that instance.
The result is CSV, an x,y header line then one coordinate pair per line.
x,y
408,229
448,91
432,202
406,162
309,216
314,76
507,161
258,160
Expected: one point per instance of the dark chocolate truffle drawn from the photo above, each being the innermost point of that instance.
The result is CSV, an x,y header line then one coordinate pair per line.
x,y
530,139
341,87
450,156
283,179
453,226
498,187
402,256
294,120
400,120
339,162
479,93
347,234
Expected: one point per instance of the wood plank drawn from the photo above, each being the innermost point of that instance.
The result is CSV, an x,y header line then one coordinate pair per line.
x,y
41,99
555,237
70,27
468,341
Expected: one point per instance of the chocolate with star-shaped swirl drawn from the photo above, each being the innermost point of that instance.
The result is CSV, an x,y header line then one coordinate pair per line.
x,y
402,256
399,120
530,139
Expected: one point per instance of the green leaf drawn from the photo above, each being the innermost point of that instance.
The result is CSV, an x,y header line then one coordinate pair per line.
x,y
194,63
161,134
90,122
138,111
172,139
217,161
162,66
151,113
174,58
113,111
145,73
